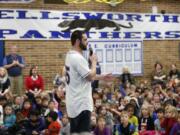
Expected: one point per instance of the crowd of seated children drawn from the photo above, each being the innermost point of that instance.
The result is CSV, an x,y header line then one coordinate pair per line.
x,y
124,107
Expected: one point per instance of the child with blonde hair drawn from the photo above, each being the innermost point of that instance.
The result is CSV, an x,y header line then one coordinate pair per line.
x,y
125,127
4,83
146,122
176,128
171,115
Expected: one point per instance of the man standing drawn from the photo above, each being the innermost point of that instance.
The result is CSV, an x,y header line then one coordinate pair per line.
x,y
14,63
79,100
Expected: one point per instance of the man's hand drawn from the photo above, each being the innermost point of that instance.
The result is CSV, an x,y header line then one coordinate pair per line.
x,y
14,63
105,77
92,74
17,62
108,77
93,59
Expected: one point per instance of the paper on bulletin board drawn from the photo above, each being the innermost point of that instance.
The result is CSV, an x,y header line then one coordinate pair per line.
x,y
114,55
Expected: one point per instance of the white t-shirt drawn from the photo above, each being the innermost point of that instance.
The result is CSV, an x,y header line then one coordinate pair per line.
x,y
78,88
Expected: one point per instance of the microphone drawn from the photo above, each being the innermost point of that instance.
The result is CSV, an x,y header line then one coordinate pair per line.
x,y
90,54
90,51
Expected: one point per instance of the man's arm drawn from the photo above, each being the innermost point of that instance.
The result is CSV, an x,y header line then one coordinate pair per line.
x,y
92,73
14,63
93,76
7,66
20,64
105,77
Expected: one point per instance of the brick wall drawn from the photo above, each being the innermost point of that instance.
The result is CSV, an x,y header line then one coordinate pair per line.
x,y
49,55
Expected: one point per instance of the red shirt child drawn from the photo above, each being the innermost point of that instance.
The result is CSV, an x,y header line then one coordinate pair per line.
x,y
54,126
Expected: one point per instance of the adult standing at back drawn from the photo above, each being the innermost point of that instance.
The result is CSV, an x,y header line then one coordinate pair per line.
x,y
14,63
79,101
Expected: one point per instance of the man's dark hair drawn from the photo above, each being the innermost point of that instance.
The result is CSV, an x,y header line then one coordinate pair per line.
x,y
76,35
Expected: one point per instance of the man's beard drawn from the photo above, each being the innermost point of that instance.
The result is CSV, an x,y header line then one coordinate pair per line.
x,y
83,47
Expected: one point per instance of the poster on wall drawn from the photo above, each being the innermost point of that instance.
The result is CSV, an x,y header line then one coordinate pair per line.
x,y
16,1
30,24
114,55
